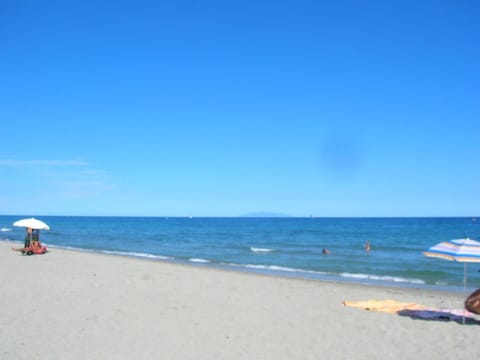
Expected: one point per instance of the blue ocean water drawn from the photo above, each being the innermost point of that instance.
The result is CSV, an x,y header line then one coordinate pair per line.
x,y
282,246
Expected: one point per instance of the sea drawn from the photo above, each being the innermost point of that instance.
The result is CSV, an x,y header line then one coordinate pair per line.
x,y
286,246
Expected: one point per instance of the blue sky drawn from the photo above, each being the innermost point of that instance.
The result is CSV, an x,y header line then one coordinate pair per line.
x,y
223,108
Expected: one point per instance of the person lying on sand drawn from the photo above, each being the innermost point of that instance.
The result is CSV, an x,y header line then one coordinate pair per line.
x,y
19,249
35,246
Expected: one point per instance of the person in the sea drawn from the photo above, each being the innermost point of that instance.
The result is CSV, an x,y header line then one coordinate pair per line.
x,y
367,246
325,251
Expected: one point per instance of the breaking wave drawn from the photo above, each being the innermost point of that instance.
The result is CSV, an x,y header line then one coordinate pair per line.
x,y
261,250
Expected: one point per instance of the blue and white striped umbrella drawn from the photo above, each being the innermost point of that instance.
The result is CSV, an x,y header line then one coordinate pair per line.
x,y
462,250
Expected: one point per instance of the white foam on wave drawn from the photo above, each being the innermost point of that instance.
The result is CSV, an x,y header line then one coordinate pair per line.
x,y
382,278
261,250
198,260
135,254
281,268
5,229
351,276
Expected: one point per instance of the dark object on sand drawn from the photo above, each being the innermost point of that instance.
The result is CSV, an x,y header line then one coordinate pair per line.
x,y
472,303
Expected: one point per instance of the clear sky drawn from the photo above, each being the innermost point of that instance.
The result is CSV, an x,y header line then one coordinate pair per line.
x,y
224,108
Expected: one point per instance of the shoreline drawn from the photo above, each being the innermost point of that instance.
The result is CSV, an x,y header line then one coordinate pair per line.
x,y
287,248
76,305
214,267
298,274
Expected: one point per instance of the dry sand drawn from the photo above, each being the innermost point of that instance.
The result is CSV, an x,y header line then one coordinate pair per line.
x,y
72,305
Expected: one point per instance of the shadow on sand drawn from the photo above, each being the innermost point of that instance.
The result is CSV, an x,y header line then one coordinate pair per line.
x,y
438,315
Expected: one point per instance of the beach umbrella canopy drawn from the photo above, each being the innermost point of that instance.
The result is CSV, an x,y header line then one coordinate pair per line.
x,y
32,223
461,250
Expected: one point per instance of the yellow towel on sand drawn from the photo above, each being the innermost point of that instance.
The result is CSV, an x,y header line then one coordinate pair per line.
x,y
388,306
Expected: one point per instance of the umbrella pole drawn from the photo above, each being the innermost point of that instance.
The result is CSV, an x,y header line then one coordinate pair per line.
x,y
464,288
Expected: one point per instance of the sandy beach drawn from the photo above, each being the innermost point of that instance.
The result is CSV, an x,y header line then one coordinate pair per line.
x,y
74,305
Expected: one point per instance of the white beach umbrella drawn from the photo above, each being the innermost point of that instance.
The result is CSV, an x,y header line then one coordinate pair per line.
x,y
32,223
